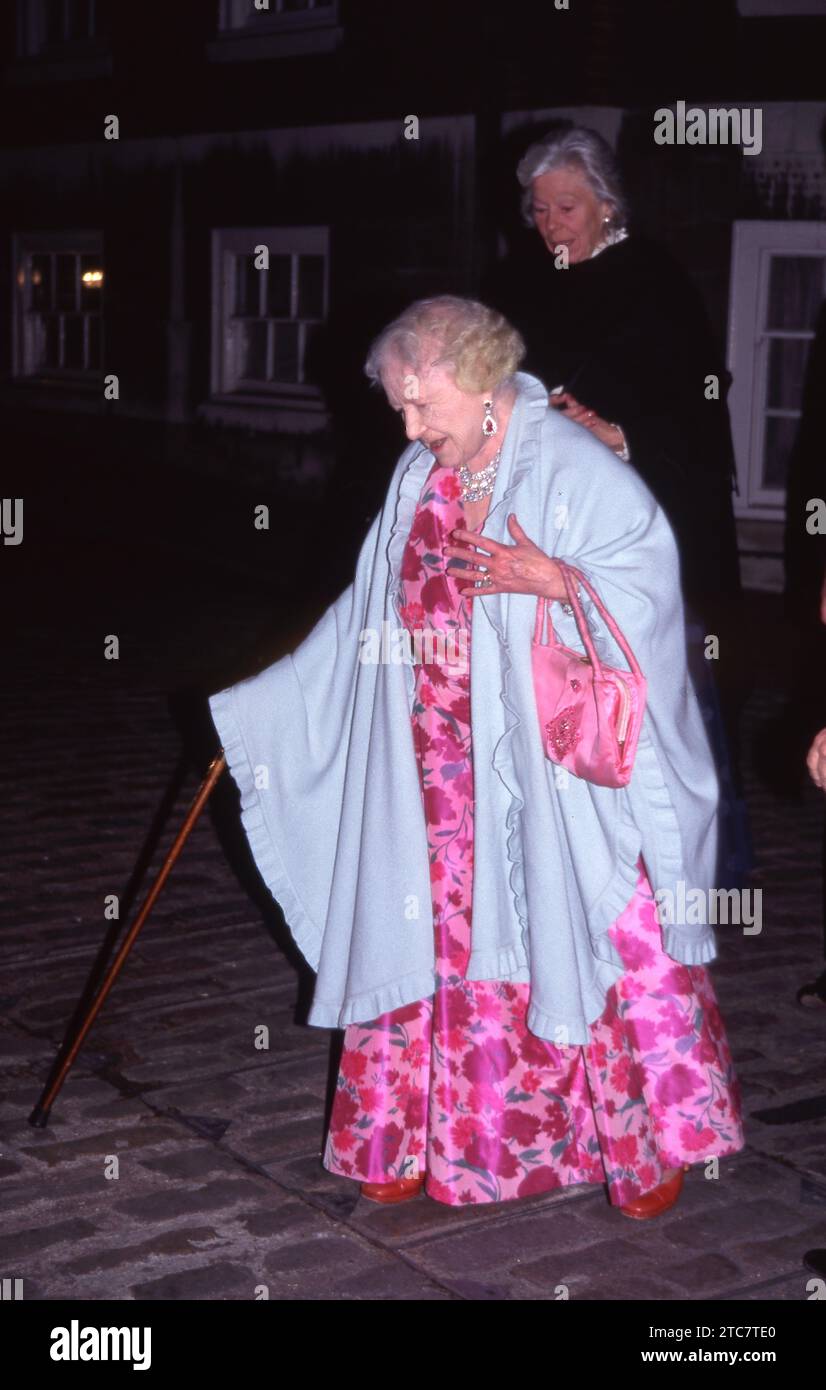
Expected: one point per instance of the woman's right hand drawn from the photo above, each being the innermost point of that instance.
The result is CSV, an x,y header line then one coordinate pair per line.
x,y
521,568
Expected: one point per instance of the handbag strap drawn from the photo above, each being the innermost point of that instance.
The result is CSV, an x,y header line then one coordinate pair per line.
x,y
567,571
581,621
613,627
539,624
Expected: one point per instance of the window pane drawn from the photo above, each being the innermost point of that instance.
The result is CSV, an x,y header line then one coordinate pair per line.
x,y
795,291
40,342
66,282
73,341
94,341
285,367
41,281
310,287
787,367
278,287
54,20
253,351
778,440
247,287
80,19
90,288
310,364
50,351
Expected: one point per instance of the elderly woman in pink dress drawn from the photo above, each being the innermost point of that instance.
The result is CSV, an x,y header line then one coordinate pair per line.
x,y
517,1017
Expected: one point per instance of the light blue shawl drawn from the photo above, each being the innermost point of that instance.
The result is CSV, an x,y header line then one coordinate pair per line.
x,y
321,748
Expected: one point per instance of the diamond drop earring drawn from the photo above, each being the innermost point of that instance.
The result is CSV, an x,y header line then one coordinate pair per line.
x,y
489,424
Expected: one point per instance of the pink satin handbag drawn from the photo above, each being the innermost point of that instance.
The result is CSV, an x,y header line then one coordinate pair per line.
x,y
590,714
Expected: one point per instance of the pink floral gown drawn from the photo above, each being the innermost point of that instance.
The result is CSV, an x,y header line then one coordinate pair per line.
x,y
455,1085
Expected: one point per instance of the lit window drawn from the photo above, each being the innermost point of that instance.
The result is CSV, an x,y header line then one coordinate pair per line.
x,y
265,316
59,282
778,284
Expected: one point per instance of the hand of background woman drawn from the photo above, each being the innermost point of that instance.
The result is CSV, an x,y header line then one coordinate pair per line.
x,y
816,760
521,568
581,415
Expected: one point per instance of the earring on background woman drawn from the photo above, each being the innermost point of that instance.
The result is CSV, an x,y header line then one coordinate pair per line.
x,y
489,424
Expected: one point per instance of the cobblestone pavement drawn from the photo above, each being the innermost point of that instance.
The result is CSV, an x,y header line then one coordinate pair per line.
x,y
180,1161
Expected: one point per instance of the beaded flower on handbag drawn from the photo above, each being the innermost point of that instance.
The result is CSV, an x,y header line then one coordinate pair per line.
x,y
590,714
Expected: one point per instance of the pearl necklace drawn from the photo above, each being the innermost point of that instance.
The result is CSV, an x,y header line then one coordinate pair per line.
x,y
475,486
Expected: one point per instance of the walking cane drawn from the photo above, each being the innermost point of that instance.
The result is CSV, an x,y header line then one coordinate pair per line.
x,y
40,1115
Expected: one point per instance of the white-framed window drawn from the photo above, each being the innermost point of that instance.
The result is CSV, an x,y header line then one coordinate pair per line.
x,y
778,284
275,28
266,309
58,306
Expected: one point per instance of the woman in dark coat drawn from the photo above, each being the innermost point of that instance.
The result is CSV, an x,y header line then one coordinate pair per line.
x,y
618,332
623,330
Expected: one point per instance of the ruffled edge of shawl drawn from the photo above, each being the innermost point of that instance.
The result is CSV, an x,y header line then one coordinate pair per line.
x,y
364,1008
686,943
532,406
683,943
416,469
613,899
304,931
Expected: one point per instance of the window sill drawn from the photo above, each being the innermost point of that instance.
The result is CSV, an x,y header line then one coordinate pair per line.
x,y
241,47
74,67
287,414
759,511
54,393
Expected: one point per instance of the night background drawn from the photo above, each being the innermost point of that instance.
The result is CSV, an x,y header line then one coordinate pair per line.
x,y
131,256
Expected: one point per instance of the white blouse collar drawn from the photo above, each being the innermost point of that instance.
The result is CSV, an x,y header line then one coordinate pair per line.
x,y
611,239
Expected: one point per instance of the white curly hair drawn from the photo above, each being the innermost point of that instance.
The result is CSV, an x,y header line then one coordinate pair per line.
x,y
477,342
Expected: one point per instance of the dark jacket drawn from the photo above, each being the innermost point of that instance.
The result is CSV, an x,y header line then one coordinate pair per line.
x,y
626,333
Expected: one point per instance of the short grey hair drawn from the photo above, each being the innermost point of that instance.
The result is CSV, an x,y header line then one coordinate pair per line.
x,y
480,345
577,148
